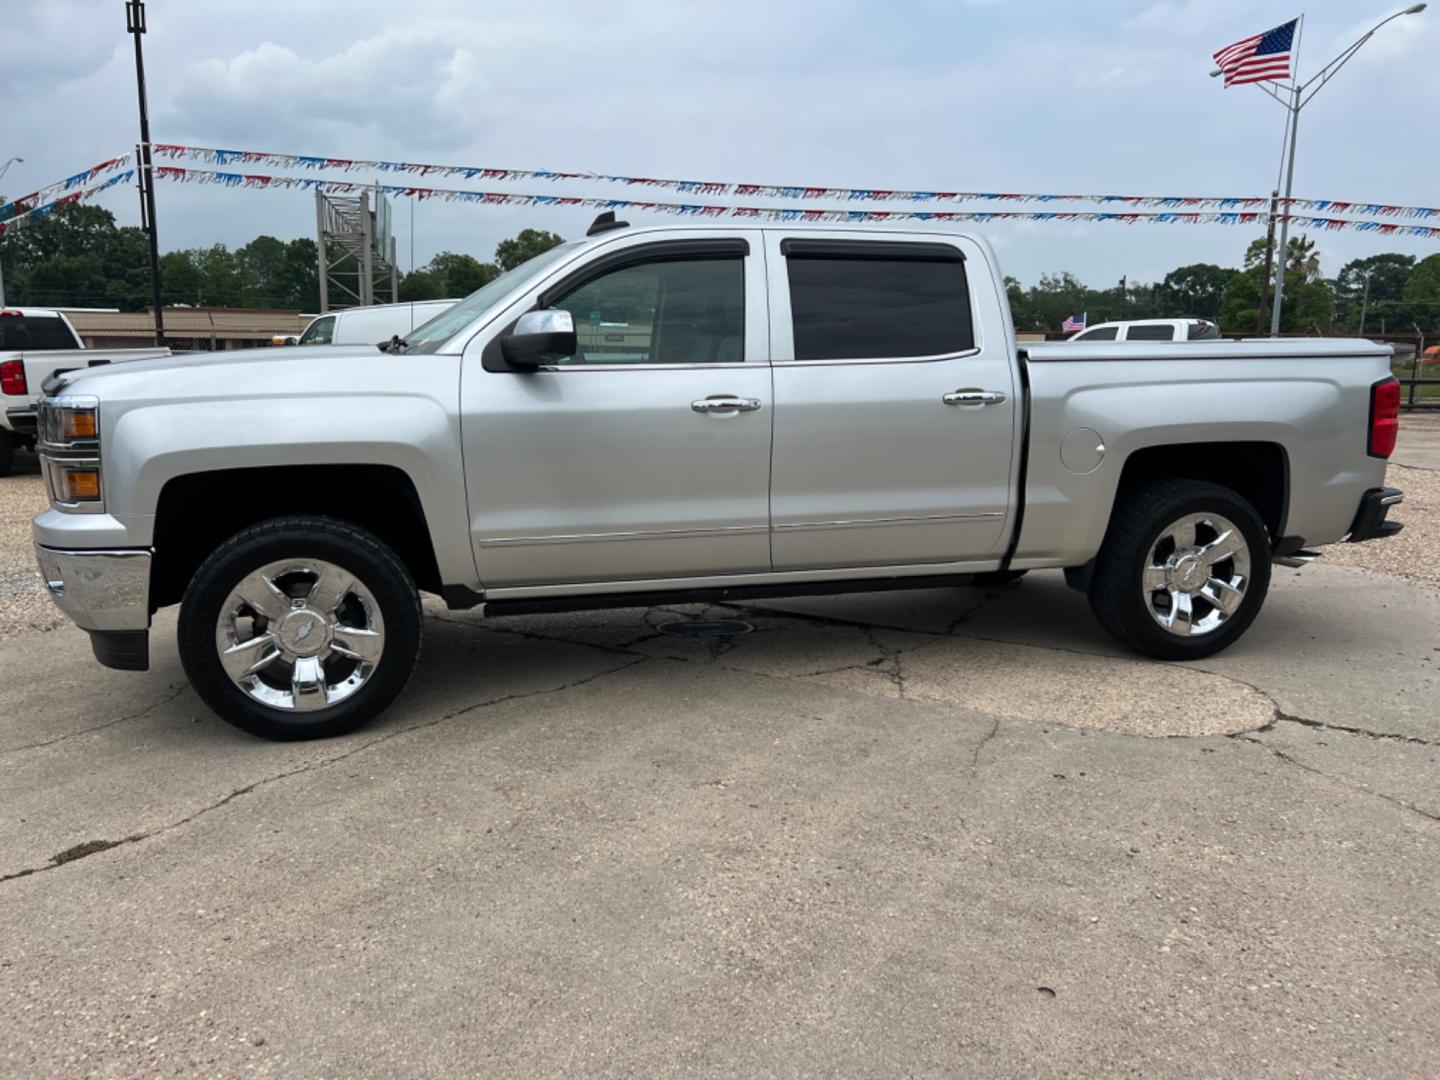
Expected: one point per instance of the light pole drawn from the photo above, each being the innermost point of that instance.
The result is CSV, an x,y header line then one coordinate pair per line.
x,y
3,170
135,25
1295,97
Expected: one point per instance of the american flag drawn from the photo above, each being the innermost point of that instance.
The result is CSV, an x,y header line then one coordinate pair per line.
x,y
1073,323
1260,58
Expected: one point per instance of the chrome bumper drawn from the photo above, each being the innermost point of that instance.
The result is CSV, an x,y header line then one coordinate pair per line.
x,y
99,590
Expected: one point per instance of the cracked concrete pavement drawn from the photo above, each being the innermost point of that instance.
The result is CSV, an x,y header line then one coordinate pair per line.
x,y
915,834
950,832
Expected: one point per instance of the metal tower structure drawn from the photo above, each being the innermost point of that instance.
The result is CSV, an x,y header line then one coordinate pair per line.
x,y
357,251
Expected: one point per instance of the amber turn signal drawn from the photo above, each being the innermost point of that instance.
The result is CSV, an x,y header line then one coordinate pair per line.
x,y
77,424
80,485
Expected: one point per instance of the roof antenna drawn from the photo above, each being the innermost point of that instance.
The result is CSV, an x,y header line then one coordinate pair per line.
x,y
604,223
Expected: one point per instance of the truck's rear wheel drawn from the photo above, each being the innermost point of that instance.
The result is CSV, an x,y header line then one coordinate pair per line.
x,y
7,452
300,628
1183,570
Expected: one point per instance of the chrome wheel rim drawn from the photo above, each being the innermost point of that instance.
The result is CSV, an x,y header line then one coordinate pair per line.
x,y
300,635
1196,574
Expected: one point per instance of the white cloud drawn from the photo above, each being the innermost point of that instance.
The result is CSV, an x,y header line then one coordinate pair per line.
x,y
1026,96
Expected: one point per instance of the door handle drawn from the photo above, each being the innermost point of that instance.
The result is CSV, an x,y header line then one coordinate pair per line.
x,y
974,397
725,403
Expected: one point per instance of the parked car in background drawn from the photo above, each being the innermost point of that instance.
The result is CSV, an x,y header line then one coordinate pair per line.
x,y
34,344
788,410
372,325
1151,330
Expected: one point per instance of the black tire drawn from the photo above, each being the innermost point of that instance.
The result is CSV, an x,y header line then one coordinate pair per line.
x,y
990,579
7,452
352,549
1116,592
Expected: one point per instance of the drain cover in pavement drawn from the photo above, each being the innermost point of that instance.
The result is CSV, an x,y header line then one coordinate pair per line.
x,y
706,628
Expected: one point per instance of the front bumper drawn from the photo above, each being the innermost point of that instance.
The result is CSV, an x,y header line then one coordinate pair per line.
x,y
1370,523
106,593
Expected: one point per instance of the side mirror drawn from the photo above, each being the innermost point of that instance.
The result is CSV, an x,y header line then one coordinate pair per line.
x,y
539,336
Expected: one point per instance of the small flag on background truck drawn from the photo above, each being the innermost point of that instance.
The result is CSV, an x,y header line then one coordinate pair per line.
x,y
1073,323
1264,57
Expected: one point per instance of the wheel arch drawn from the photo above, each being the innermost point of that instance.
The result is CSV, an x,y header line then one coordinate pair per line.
x,y
197,512
1258,471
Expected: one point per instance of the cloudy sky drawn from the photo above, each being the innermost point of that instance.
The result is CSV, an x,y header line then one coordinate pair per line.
x,y
1010,95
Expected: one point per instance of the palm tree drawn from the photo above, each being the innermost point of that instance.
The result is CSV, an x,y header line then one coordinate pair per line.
x,y
1301,256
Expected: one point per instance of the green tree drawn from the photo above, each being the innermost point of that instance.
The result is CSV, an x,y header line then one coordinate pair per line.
x,y
460,275
1197,289
1387,274
1302,258
524,247
1423,284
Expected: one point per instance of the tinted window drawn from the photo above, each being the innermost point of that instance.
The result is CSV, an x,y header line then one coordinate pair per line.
x,y
1204,331
1100,333
847,308
664,312
319,332
35,332
1150,333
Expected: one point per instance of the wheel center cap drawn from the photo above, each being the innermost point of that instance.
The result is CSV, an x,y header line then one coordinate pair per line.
x,y
1189,573
303,633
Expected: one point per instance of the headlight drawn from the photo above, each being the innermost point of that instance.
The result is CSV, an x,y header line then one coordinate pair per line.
x,y
71,422
69,445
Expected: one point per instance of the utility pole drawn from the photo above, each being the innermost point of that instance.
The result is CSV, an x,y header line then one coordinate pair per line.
x,y
1364,303
1122,295
135,26
1269,256
3,170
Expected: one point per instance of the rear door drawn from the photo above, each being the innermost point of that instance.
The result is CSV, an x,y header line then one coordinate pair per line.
x,y
895,401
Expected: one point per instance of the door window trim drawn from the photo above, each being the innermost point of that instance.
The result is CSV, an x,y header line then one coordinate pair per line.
x,y
692,250
794,246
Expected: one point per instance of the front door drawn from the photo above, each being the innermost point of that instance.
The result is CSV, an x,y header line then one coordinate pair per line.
x,y
894,403
647,454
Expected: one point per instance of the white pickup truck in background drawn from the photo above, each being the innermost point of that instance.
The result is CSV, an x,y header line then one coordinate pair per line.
x,y
1151,330
35,343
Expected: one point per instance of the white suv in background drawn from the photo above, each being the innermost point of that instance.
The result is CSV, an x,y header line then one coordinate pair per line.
x,y
1151,330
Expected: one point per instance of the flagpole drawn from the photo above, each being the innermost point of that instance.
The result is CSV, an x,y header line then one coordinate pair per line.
x,y
1292,130
1301,95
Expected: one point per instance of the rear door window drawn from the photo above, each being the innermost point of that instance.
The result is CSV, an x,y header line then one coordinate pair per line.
x,y
35,332
1154,332
861,300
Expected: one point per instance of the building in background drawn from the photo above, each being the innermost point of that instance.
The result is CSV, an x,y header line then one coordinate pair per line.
x,y
197,329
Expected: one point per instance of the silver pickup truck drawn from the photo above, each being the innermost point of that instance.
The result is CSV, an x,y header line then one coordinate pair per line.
x,y
653,415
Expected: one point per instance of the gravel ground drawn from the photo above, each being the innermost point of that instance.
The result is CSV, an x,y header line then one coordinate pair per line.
x,y
24,605
1414,553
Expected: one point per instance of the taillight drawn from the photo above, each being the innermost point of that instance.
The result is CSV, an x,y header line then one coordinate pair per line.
x,y
12,378
1384,417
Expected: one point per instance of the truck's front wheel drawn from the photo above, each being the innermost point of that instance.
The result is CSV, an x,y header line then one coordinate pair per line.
x,y
1183,570
300,628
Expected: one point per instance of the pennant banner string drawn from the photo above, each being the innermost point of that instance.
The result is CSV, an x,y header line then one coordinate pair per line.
x,y
14,221
179,174
16,207
807,192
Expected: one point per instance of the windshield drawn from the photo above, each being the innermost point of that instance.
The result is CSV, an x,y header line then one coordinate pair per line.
x,y
319,332
432,335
